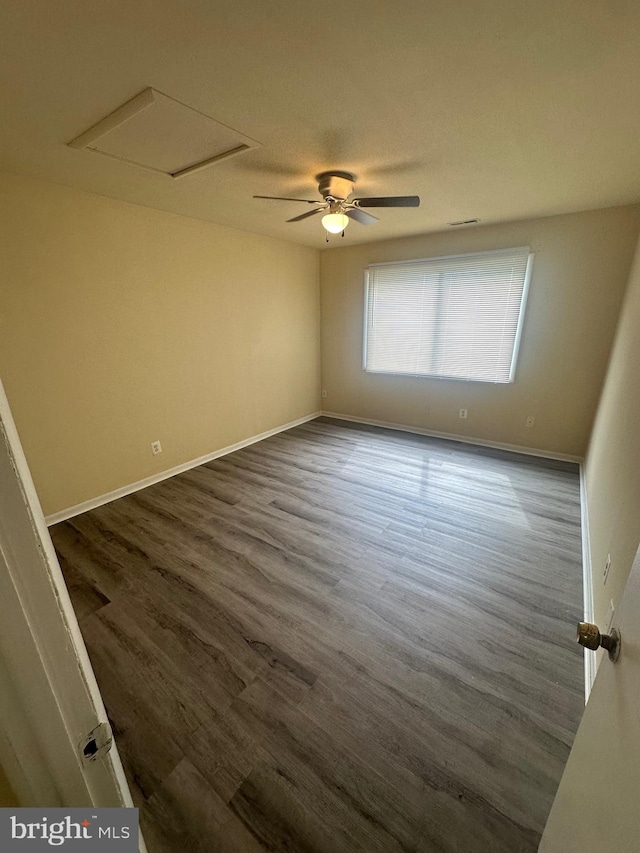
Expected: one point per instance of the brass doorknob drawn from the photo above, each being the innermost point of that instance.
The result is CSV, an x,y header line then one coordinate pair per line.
x,y
590,637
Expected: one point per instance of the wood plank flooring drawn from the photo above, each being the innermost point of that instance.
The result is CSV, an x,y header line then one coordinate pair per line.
x,y
341,639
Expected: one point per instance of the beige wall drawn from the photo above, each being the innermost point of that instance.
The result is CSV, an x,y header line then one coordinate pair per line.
x,y
121,325
580,271
612,470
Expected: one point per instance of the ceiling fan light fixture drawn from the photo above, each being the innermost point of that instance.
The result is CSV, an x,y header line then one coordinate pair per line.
x,y
335,223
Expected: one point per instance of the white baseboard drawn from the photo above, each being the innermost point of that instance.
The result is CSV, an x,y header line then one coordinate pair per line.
x,y
448,436
85,506
587,584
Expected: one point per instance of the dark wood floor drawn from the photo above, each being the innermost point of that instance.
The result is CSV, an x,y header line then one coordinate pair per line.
x,y
340,639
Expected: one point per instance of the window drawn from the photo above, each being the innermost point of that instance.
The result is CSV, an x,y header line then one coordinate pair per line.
x,y
457,317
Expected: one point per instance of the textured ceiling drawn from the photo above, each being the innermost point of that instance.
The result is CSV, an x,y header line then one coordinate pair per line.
x,y
492,109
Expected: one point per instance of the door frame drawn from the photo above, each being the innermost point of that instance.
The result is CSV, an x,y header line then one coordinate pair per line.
x,y
49,697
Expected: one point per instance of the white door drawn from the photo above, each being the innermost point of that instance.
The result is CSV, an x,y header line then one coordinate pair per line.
x,y
597,806
49,699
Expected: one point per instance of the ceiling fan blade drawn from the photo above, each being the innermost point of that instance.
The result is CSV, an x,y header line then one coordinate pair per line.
x,y
361,216
389,201
307,214
284,198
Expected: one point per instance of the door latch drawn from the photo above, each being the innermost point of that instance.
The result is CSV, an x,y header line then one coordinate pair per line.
x,y
97,743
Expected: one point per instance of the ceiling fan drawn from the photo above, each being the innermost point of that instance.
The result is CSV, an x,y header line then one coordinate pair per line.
x,y
336,189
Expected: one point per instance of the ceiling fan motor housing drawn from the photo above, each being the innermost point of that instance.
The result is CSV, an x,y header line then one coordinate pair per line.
x,y
338,185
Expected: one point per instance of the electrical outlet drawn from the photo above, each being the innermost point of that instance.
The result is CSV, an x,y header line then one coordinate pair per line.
x,y
463,413
611,612
607,566
530,421
324,393
156,447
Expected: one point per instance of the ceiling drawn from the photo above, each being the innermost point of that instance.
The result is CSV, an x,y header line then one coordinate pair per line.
x,y
488,109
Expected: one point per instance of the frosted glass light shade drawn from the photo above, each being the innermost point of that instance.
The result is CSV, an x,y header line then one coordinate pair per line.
x,y
335,222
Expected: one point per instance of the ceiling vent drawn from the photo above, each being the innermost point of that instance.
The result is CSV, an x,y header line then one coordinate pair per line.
x,y
159,133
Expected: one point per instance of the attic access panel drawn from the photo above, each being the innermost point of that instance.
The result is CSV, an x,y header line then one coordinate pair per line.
x,y
159,133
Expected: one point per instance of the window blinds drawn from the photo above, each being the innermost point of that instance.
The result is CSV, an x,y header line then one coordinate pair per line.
x,y
458,317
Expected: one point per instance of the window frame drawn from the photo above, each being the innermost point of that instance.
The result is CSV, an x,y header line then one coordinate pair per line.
x,y
519,326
